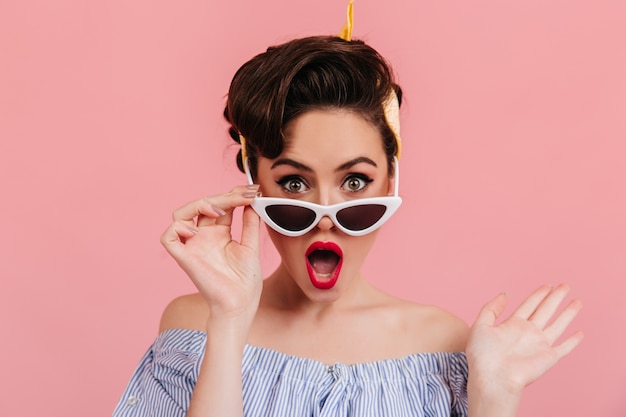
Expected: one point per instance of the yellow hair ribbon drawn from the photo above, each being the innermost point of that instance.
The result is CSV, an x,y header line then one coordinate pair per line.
x,y
244,152
391,105
392,115
346,31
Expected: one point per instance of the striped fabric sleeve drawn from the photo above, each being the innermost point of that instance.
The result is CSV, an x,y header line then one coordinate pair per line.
x,y
458,385
161,385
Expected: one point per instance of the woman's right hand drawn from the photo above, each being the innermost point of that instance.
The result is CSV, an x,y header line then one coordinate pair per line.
x,y
226,272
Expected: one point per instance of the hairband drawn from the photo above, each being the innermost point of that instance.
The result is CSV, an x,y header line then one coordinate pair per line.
x,y
244,153
346,30
392,115
391,107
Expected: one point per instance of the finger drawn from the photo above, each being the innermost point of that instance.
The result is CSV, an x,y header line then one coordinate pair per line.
x,y
216,206
563,320
210,220
549,305
569,345
250,229
226,219
174,237
528,307
197,208
249,193
492,310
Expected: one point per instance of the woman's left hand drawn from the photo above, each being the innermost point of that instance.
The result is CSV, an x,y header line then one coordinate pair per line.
x,y
506,357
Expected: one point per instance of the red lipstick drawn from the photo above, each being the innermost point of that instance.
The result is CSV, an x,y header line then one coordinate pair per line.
x,y
323,264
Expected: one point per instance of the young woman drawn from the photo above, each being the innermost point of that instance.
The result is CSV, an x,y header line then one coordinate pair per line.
x,y
317,121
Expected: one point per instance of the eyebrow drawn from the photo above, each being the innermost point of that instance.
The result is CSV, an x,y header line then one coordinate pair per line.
x,y
291,162
353,162
346,165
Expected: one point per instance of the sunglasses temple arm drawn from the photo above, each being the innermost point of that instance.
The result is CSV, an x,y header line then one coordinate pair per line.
x,y
396,179
246,168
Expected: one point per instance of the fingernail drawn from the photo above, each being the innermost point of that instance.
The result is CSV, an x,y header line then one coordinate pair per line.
x,y
218,210
252,187
192,230
251,195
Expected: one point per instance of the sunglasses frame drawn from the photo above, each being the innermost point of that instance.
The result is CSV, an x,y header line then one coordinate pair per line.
x,y
391,204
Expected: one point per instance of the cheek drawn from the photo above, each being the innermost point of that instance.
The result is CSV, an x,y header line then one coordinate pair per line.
x,y
381,188
287,247
390,186
355,249
358,248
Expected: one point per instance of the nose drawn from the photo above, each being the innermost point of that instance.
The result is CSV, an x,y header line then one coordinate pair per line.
x,y
325,223
325,198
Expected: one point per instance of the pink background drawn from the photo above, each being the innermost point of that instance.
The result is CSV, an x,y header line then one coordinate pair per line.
x,y
110,117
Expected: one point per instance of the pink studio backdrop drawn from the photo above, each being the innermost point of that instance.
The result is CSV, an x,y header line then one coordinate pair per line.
x,y
110,117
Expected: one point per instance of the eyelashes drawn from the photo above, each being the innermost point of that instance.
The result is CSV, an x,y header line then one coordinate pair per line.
x,y
356,182
295,184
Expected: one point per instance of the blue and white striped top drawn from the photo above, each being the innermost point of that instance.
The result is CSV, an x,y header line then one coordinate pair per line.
x,y
279,385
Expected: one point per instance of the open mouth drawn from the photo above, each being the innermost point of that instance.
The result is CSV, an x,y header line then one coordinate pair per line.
x,y
323,262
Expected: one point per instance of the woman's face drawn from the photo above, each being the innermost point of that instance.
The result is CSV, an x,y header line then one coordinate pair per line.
x,y
330,156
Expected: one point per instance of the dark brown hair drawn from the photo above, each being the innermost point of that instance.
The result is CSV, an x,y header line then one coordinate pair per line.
x,y
320,72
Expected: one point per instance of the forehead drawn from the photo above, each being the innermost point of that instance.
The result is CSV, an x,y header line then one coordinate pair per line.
x,y
331,133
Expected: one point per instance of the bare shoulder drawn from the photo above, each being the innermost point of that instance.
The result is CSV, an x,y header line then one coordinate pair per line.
x,y
185,312
435,329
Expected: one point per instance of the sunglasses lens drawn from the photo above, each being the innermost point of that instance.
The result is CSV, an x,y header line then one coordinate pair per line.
x,y
292,218
360,217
